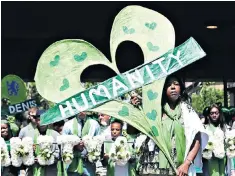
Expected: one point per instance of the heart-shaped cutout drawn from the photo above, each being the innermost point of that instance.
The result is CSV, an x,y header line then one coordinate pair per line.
x,y
124,111
152,95
55,62
151,47
65,85
80,58
152,115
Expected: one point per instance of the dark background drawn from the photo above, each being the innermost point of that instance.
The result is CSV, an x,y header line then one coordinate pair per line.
x,y
28,28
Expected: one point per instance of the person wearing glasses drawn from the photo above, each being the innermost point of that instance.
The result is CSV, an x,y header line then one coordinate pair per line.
x,y
216,127
34,130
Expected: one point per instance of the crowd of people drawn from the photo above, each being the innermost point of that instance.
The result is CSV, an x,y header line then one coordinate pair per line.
x,y
186,134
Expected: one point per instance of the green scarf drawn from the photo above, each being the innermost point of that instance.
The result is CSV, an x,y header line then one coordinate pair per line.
x,y
39,170
77,163
232,163
8,145
172,127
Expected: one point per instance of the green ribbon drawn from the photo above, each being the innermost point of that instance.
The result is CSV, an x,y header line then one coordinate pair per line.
x,y
216,166
77,163
171,127
39,170
170,62
61,171
131,169
8,145
111,168
233,163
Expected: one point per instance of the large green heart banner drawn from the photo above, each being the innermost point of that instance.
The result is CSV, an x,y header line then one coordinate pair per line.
x,y
175,59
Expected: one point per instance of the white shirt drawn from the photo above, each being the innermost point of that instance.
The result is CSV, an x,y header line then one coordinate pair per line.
x,y
93,131
107,133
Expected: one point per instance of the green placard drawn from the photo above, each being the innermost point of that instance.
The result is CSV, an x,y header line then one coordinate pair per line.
x,y
13,88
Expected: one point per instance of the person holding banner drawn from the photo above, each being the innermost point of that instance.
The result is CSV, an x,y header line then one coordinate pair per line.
x,y
34,130
182,131
81,126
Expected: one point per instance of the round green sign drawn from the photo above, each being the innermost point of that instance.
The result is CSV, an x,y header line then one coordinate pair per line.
x,y
13,88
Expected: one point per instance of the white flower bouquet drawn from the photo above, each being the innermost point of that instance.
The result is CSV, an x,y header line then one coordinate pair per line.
x,y
93,146
67,143
207,152
5,158
119,152
219,151
21,151
215,145
28,159
230,143
45,156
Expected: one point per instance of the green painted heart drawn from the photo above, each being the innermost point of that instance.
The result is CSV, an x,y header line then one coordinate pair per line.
x,y
65,85
152,95
155,131
124,112
151,47
128,31
55,62
151,26
80,58
152,115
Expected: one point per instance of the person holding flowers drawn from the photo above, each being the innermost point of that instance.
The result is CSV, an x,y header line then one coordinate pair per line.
x,y
6,135
214,153
81,126
117,153
45,150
